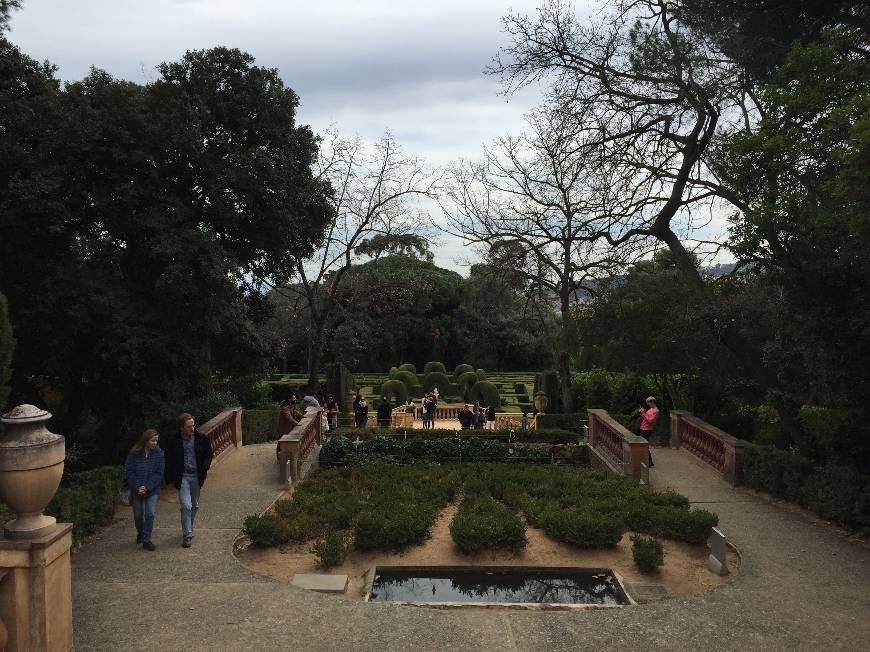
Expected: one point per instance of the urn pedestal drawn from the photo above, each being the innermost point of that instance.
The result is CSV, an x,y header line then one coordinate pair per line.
x,y
35,574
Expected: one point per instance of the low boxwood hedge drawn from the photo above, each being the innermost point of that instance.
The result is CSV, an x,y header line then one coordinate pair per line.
x,y
540,436
87,500
483,524
648,553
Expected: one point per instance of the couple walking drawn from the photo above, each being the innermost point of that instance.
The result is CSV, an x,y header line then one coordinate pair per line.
x,y
184,465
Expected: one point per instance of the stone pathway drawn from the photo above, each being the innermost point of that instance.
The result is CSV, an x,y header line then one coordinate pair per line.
x,y
803,586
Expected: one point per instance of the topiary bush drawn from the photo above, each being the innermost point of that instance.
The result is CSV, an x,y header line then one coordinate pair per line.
x,y
410,379
410,368
689,526
434,367
437,379
333,549
391,525
461,369
777,472
648,553
393,372
573,421
466,381
395,390
481,374
484,524
266,530
585,529
485,392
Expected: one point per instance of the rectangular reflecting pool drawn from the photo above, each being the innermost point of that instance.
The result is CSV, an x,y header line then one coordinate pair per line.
x,y
497,584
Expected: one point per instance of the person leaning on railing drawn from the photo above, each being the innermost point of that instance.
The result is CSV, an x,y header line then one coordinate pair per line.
x,y
648,418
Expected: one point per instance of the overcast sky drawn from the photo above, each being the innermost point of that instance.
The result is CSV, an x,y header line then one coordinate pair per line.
x,y
413,67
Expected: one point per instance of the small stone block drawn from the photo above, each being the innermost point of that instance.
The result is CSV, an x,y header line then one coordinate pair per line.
x,y
320,582
644,473
716,566
643,593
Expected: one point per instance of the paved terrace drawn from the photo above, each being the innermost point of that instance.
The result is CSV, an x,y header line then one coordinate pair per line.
x,y
803,586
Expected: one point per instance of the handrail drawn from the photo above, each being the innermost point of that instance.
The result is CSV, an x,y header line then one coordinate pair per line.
x,y
295,446
714,446
623,449
224,429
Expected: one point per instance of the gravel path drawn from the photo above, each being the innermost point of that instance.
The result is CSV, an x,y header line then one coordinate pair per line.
x,y
802,586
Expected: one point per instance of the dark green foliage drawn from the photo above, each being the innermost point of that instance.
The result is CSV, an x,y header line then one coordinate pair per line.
x,y
407,377
778,472
573,421
484,524
87,500
460,370
437,379
466,381
259,426
481,374
410,368
333,549
266,530
542,435
393,372
7,346
432,367
683,525
648,553
394,524
585,529
840,494
395,390
548,382
339,383
485,392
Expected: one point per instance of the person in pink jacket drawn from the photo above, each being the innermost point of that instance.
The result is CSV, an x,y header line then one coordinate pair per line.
x,y
649,415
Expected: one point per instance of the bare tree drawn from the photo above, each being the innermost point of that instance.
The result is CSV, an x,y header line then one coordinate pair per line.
x,y
651,96
532,202
377,188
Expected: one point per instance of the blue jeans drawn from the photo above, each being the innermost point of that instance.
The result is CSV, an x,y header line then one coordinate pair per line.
x,y
188,496
144,510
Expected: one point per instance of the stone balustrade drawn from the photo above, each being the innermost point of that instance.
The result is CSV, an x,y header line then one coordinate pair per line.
x,y
622,450
295,446
712,445
224,430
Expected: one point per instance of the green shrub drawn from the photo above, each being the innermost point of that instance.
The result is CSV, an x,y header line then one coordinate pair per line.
x,y
87,500
395,390
410,379
841,495
648,553
434,367
485,392
466,381
582,528
689,526
392,525
461,369
333,549
393,372
777,472
573,421
410,368
259,426
266,530
437,379
481,374
484,525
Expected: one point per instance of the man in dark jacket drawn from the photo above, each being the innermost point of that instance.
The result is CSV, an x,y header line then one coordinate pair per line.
x,y
188,458
385,413
466,418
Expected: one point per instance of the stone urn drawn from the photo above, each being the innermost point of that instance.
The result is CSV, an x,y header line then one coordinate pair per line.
x,y
541,402
31,465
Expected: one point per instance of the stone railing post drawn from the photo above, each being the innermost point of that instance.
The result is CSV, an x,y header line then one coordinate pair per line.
x,y
733,471
35,573
634,453
237,427
676,427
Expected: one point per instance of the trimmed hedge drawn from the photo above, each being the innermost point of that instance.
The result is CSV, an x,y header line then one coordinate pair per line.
x,y
461,369
333,549
839,494
395,390
485,392
648,553
339,383
87,500
484,524
466,381
540,436
410,379
437,379
434,367
259,426
573,421
408,367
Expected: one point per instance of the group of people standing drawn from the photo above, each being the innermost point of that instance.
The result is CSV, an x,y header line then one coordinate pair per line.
x,y
184,465
477,417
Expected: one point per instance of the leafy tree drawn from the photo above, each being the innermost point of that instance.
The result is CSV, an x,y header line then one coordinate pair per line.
x,y
135,217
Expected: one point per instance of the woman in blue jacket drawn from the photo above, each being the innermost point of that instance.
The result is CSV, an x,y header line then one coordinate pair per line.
x,y
144,473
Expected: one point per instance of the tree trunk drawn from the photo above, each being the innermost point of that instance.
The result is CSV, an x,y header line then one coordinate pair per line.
x,y
315,355
563,357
